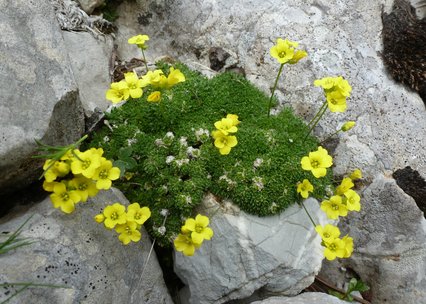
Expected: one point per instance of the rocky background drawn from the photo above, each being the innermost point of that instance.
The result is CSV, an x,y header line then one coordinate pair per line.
x,y
57,60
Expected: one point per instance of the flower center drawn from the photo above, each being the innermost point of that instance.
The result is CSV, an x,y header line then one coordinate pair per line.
x,y
103,174
65,196
334,207
282,54
326,235
137,216
82,187
332,247
86,164
315,164
198,229
114,216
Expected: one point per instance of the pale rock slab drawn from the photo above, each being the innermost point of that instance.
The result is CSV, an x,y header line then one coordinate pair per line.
x,y
390,251
74,250
278,254
90,60
304,298
89,5
38,95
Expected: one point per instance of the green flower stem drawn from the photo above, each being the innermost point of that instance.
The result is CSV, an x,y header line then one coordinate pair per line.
x,y
144,60
331,135
306,210
273,89
318,117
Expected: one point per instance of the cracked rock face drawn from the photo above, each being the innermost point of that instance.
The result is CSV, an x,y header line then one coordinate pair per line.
x,y
390,252
275,254
38,95
304,298
75,251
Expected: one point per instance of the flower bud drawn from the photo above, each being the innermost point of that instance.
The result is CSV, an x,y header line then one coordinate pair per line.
x,y
348,125
99,218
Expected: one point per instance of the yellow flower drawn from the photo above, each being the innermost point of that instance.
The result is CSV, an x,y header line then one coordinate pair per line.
x,y
226,125
317,162
336,84
356,174
234,119
154,96
84,187
352,200
99,218
223,142
343,86
334,248
64,199
175,76
139,40
115,214
299,54
336,101
118,92
155,78
349,246
198,229
137,214
105,174
86,163
48,186
128,232
344,186
183,243
334,207
327,83
304,188
134,84
328,232
55,169
348,125
283,51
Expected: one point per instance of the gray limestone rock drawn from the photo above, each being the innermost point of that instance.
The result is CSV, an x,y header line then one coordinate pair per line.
x,y
89,5
38,95
304,298
390,251
75,251
90,60
278,254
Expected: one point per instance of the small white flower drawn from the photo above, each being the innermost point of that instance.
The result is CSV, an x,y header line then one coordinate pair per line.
x,y
192,152
258,183
169,159
183,141
106,139
181,162
257,162
170,135
202,134
290,140
231,183
187,199
161,230
131,141
159,142
164,212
